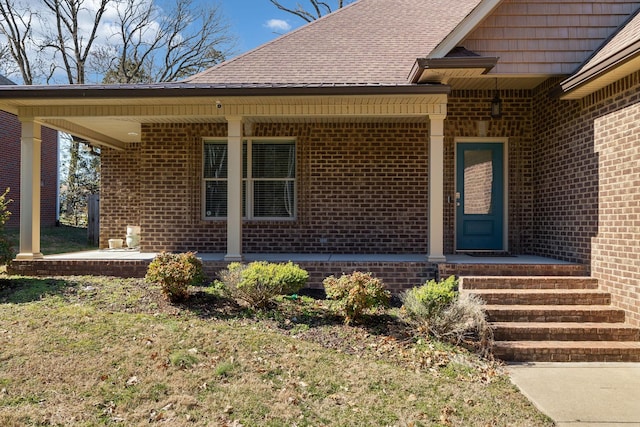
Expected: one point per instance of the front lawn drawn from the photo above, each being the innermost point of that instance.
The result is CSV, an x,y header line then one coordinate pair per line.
x,y
56,240
87,351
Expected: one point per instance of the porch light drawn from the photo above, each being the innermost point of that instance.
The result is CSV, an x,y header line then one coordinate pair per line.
x,y
496,104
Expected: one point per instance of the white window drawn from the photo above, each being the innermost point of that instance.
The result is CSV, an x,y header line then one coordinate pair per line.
x,y
268,179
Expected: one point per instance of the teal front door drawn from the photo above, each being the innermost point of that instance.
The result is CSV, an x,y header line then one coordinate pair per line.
x,y
479,197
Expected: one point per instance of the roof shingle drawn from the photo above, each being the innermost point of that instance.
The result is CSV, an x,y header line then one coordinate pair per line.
x,y
627,36
369,41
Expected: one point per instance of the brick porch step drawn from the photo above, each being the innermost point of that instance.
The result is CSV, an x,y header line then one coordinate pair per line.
x,y
527,282
543,296
554,313
564,331
567,351
554,318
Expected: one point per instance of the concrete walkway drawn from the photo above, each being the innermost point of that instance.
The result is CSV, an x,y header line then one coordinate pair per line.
x,y
582,394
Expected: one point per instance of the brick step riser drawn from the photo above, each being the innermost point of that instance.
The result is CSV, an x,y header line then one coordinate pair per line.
x,y
566,355
573,316
445,270
546,299
570,334
470,283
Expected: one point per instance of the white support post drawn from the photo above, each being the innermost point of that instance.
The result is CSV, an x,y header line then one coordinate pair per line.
x,y
30,152
234,190
436,189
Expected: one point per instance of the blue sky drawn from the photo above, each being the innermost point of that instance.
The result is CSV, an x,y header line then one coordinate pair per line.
x,y
255,22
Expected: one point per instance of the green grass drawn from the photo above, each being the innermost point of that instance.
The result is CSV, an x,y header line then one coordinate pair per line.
x,y
57,240
76,351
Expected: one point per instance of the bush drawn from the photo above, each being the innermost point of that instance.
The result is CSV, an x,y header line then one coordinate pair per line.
x,y
256,283
435,309
175,273
6,247
355,293
423,302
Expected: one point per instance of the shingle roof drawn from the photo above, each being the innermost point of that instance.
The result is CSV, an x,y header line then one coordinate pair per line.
x,y
369,41
622,46
5,81
627,36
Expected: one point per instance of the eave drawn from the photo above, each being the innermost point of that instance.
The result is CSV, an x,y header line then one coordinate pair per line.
x,y
596,77
112,116
440,70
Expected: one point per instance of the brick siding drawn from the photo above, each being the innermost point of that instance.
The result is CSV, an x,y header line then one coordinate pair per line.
x,y
10,133
587,185
566,174
616,247
362,188
397,276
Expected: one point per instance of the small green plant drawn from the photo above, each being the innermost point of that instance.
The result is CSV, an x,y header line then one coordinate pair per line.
x,y
175,273
183,359
423,302
257,283
436,309
356,293
6,247
224,369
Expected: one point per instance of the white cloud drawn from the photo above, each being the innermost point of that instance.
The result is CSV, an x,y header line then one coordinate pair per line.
x,y
278,25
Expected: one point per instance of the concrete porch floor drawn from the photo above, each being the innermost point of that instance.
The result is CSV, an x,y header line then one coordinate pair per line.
x,y
129,254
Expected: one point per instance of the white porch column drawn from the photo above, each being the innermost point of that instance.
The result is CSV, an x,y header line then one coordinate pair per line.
x,y
436,188
234,190
30,150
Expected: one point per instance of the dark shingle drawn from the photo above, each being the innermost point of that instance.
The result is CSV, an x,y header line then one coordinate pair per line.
x,y
369,41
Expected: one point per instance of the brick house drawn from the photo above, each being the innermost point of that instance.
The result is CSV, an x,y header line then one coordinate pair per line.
x,y
404,128
10,131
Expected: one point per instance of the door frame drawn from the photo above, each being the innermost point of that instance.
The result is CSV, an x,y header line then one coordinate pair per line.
x,y
505,190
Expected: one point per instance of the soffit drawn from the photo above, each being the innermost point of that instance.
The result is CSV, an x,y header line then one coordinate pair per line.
x,y
488,82
114,122
602,80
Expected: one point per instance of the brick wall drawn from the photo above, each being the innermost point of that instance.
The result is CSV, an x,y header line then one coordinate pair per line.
x,y
397,276
587,163
616,247
120,192
10,133
362,188
566,178
465,109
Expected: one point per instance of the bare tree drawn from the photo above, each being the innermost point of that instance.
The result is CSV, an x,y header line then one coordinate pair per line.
x,y
147,44
154,45
316,9
68,40
16,24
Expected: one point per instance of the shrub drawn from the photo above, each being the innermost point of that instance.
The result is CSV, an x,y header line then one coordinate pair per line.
x,y
423,302
175,273
436,309
256,283
6,248
355,293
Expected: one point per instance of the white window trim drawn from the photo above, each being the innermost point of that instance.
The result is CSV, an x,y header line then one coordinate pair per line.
x,y
247,181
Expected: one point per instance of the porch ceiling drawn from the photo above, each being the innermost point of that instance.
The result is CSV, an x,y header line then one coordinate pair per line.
x,y
114,122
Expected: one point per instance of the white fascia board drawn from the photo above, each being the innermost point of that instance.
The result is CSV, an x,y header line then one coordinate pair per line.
x,y
462,30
